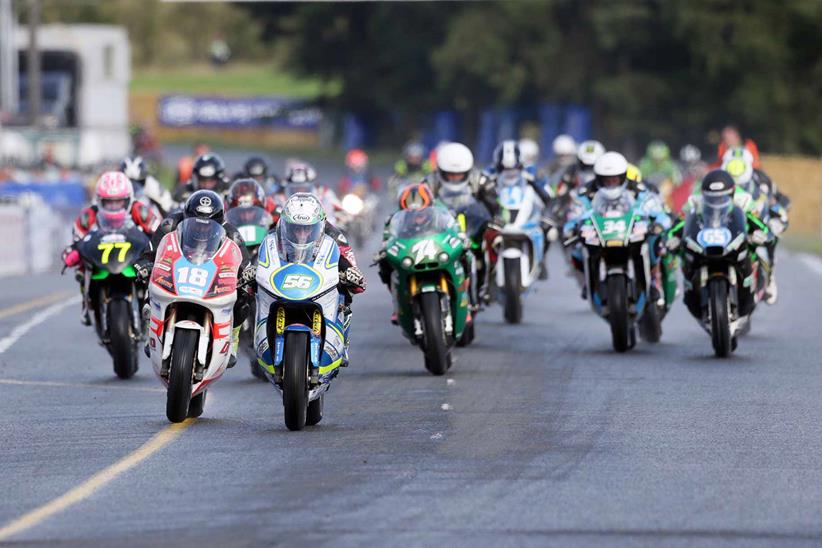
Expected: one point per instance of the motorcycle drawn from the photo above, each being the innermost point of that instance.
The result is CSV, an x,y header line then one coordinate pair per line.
x,y
617,270
516,244
357,216
724,278
429,283
192,291
302,324
253,223
111,293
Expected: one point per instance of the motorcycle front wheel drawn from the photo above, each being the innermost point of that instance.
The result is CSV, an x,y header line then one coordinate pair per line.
x,y
720,320
618,313
295,380
123,348
437,355
183,354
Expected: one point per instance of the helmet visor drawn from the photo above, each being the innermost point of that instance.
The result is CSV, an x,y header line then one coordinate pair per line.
x,y
715,208
200,239
299,240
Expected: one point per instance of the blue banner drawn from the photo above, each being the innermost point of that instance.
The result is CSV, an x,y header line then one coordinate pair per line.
x,y
67,194
237,112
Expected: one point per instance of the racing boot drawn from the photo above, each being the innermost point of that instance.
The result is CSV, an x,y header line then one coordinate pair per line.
x,y
771,292
345,313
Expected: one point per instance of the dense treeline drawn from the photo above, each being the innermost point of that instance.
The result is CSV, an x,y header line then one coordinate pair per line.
x,y
673,69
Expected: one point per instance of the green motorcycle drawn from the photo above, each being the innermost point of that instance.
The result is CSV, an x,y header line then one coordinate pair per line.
x,y
253,223
425,253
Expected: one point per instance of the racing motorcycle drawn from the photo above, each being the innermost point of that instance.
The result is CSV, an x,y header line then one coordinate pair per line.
x,y
253,223
515,244
111,293
615,234
357,216
724,277
193,289
302,324
429,283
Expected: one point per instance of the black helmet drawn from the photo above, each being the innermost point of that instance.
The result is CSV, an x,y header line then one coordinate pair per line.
x,y
717,181
255,167
205,204
135,168
245,192
208,168
506,156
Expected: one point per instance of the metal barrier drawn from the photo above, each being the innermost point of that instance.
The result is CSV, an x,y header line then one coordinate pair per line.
x,y
34,234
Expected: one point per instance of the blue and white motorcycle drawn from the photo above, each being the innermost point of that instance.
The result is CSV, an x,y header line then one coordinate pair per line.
x,y
301,326
518,243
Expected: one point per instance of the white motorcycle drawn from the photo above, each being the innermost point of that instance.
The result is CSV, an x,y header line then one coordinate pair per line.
x,y
192,293
301,329
518,244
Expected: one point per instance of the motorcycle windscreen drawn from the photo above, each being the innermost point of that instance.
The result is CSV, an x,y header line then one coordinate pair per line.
x,y
715,210
200,239
606,206
413,223
299,242
251,221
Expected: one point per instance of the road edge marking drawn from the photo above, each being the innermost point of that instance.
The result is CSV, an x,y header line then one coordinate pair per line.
x,y
16,333
811,261
34,303
54,384
95,482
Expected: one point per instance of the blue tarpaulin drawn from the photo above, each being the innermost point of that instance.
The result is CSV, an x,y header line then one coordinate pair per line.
x,y
237,112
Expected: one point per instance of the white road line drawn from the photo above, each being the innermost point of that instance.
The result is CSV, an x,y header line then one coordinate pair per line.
x,y
812,261
37,319
17,382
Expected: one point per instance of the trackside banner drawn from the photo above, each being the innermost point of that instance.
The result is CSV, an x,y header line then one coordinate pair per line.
x,y
237,112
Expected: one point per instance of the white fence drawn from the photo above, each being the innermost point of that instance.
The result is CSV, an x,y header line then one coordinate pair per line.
x,y
32,236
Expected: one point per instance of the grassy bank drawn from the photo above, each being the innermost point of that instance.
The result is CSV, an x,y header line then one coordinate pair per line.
x,y
235,79
804,243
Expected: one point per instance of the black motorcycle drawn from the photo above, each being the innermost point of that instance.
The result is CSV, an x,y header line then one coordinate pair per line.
x,y
112,296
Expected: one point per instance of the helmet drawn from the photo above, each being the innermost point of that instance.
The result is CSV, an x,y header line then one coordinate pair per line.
x,y
256,168
454,164
507,156
689,154
658,151
610,170
588,152
244,193
528,151
564,145
135,169
301,225
356,160
633,173
416,196
717,195
208,172
414,155
738,162
114,195
205,204
300,177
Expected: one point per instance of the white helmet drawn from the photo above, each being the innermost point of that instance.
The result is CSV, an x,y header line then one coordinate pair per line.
x,y
453,160
589,151
739,163
528,152
611,164
564,145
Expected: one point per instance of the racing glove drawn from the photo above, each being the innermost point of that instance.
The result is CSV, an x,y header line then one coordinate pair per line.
x,y
143,269
353,278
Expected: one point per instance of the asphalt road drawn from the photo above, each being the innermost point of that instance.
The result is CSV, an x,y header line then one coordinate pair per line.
x,y
539,435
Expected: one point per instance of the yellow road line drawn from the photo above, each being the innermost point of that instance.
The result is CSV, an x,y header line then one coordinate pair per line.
x,y
53,384
34,303
95,482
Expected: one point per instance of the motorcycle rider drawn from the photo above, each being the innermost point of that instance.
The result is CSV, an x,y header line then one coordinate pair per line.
x,y
413,165
564,148
257,168
113,206
358,168
302,177
208,173
248,193
730,138
146,187
762,199
529,153
658,169
206,204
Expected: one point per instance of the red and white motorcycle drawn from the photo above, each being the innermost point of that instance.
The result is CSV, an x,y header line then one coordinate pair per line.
x,y
192,293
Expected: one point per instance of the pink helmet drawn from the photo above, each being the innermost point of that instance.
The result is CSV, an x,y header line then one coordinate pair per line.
x,y
114,198
356,159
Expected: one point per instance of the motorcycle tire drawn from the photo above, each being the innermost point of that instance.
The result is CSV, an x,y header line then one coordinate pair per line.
x,y
650,324
435,347
720,320
295,380
183,354
513,298
123,347
618,313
